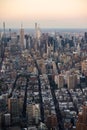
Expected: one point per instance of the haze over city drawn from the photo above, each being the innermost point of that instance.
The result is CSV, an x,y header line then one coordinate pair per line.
x,y
48,13
43,65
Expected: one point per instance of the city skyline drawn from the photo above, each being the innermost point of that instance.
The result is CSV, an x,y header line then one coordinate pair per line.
x,y
48,13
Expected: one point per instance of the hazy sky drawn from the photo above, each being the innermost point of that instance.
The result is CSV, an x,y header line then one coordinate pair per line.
x,y
48,13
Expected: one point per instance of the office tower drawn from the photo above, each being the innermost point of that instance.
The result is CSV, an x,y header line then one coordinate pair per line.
x,y
13,108
51,121
13,37
27,41
1,114
86,36
37,32
75,80
30,113
49,49
33,112
85,114
21,101
82,120
9,33
22,37
5,97
72,81
84,67
0,37
4,28
37,37
25,44
36,113
4,36
54,67
7,119
78,49
2,104
60,81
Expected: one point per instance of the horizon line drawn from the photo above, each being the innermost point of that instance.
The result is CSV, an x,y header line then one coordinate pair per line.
x,y
45,28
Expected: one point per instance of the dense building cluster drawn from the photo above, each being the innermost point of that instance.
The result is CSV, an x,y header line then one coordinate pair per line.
x,y
43,80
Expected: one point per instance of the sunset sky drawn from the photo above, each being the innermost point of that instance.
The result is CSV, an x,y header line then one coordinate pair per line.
x,y
47,13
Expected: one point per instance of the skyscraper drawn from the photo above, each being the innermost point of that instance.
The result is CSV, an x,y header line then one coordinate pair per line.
x,y
37,36
60,81
84,67
22,37
36,30
4,28
51,121
72,81
13,107
82,120
86,36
